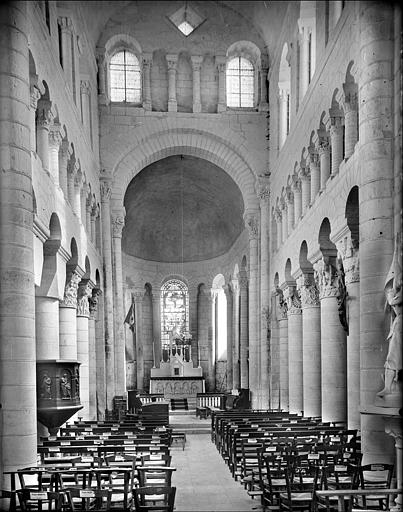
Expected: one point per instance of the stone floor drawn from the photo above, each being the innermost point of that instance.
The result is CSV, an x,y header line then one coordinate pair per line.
x,y
203,481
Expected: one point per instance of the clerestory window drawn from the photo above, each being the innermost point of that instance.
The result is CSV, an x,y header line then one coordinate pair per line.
x,y
240,83
125,77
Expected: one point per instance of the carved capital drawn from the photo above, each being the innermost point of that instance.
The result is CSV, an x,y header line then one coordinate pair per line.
x,y
293,299
349,254
308,290
93,301
252,225
323,147
221,63
197,61
83,294
65,23
55,136
138,296
44,114
85,87
281,302
70,290
106,191
172,60
118,222
326,279
262,188
296,185
35,96
242,280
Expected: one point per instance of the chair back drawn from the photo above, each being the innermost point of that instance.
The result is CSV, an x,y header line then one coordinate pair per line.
x,y
33,499
92,499
155,475
154,498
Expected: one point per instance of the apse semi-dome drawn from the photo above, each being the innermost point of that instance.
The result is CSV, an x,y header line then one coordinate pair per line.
x,y
181,208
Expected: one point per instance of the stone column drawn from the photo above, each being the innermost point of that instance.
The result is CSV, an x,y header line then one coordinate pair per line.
x,y
196,67
284,220
279,226
118,221
88,215
376,33
290,211
147,64
263,104
324,158
105,186
93,226
94,393
228,295
193,291
283,107
78,182
236,374
336,130
83,202
83,313
172,60
350,107
55,140
99,354
44,120
296,189
283,353
295,371
138,296
66,28
315,174
275,351
304,42
311,353
100,56
306,189
17,313
211,367
252,224
85,88
243,323
333,345
221,63
263,192
156,329
47,327
68,315
64,155
72,169
348,253
33,105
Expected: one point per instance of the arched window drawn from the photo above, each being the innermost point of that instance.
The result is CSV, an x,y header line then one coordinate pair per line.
x,y
125,77
174,310
240,83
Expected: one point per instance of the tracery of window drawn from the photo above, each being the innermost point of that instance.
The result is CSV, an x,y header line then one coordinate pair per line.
x,y
240,83
174,311
125,77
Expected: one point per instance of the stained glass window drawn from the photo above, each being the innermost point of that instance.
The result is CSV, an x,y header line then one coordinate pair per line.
x,y
125,77
174,310
240,83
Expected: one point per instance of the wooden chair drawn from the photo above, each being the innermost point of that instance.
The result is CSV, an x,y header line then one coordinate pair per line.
x,y
158,459
335,477
155,475
120,482
95,500
35,500
7,500
300,489
153,499
374,476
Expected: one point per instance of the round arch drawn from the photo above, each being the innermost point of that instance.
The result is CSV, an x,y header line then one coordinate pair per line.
x,y
191,142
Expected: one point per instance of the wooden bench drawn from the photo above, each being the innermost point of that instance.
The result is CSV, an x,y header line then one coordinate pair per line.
x,y
179,437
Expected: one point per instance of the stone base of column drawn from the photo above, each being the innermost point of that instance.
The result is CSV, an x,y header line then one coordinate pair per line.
x,y
147,106
263,107
221,107
172,106
196,107
102,100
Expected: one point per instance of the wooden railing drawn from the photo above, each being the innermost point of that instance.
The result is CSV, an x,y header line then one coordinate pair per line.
x,y
216,400
148,399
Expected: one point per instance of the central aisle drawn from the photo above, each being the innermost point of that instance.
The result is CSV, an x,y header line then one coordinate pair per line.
x,y
203,481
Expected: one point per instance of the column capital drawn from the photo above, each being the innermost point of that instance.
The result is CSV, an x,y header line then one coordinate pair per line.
x,y
83,294
172,60
138,295
65,23
262,188
85,87
197,61
347,251
251,220
118,222
289,196
278,215
72,166
326,278
293,299
105,187
296,184
45,115
70,289
147,58
56,133
308,290
93,301
35,96
228,291
243,280
323,146
304,173
65,150
221,62
281,304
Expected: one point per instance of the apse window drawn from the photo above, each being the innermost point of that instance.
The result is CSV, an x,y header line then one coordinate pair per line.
x,y
125,77
240,83
186,20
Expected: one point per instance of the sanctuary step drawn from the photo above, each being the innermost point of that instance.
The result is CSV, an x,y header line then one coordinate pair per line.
x,y
179,404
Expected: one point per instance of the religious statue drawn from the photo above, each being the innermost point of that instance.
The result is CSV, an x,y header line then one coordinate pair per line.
x,y
65,386
393,294
46,386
